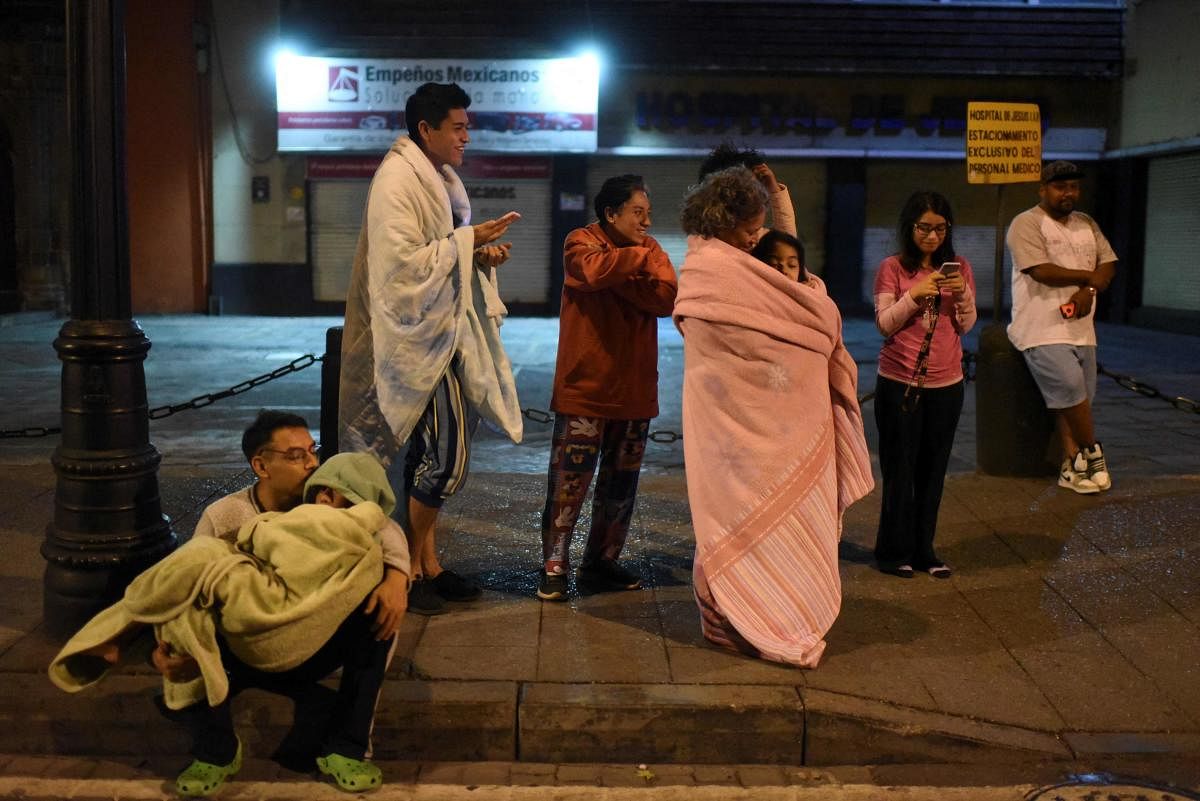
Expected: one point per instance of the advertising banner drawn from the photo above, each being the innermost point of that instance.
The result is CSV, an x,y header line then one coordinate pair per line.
x,y
526,105
1004,143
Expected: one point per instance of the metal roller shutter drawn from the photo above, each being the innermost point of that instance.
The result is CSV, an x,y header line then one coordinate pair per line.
x,y
336,208
525,277
667,179
1172,234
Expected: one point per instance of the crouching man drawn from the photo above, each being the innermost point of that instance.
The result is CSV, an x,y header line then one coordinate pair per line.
x,y
288,600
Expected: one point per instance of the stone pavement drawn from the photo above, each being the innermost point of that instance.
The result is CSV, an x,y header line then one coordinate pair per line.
x,y
1068,636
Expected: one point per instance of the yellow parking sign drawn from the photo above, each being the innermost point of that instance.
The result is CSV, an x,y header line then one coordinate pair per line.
x,y
1004,143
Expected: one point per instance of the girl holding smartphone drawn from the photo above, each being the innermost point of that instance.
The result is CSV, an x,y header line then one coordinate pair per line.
x,y
924,303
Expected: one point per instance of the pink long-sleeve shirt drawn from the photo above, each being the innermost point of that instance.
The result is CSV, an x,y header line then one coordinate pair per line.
x,y
902,322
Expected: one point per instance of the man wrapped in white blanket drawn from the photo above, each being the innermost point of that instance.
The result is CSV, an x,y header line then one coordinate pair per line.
x,y
422,358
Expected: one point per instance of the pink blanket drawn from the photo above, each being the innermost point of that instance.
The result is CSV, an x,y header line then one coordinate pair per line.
x,y
774,450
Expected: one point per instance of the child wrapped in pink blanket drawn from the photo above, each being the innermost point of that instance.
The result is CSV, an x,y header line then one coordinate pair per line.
x,y
774,451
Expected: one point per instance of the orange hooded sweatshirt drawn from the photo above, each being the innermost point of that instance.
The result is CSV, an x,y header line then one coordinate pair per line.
x,y
608,330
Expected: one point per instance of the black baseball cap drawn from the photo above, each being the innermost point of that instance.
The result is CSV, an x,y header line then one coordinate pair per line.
x,y
1060,171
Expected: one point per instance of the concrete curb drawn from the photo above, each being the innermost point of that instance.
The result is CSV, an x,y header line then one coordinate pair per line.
x,y
660,723
472,721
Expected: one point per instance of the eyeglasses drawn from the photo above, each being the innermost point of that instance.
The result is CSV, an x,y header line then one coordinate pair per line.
x,y
294,454
925,229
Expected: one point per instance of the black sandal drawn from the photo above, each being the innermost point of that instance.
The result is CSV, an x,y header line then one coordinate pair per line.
x,y
939,571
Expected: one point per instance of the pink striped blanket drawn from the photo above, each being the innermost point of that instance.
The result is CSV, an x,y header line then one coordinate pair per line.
x,y
774,451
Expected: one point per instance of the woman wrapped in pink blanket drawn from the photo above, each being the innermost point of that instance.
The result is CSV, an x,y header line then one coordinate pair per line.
x,y
772,432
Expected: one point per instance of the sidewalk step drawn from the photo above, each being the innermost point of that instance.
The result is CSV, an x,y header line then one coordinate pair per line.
x,y
540,722
444,721
661,723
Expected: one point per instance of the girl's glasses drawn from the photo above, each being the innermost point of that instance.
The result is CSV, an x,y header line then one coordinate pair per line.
x,y
925,229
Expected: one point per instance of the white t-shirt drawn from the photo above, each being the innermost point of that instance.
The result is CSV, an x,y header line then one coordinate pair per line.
x,y
223,517
1034,238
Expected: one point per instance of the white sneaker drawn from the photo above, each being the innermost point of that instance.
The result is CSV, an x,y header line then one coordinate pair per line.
x,y
1076,480
1096,468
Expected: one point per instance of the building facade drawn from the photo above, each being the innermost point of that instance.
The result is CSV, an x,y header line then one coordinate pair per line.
x,y
855,104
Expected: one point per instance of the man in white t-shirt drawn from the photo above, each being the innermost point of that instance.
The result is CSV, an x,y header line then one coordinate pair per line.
x,y
1060,261
283,455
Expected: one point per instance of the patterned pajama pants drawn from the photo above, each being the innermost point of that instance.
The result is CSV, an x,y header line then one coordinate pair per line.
x,y
578,444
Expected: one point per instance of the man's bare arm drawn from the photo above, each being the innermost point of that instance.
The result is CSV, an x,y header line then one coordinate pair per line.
x,y
1054,275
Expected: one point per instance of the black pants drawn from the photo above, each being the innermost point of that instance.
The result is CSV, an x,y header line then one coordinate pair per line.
x,y
353,648
914,450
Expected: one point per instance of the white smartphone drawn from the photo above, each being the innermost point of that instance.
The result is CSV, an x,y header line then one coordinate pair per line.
x,y
949,267
510,217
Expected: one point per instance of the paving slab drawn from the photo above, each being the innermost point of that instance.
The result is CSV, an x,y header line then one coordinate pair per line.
x,y
573,645
1095,689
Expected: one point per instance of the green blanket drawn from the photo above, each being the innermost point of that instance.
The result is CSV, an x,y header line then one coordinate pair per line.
x,y
276,596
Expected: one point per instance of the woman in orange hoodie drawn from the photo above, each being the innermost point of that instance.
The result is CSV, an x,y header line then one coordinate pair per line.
x,y
617,282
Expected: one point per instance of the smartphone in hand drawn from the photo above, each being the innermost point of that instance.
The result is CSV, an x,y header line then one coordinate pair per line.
x,y
949,267
510,218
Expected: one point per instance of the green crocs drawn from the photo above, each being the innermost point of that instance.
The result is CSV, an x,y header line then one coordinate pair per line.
x,y
204,778
352,775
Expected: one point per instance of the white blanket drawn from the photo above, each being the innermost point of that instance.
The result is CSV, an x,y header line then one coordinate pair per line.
x,y
416,301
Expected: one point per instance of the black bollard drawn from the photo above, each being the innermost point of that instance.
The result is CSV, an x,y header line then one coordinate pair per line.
x,y
108,522
331,375
1014,431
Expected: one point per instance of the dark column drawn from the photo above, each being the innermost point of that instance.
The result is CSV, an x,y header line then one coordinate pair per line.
x,y
108,522
845,222
1014,432
1119,199
567,187
10,292
331,377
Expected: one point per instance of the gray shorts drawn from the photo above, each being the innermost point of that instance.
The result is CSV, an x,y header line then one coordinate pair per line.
x,y
1066,374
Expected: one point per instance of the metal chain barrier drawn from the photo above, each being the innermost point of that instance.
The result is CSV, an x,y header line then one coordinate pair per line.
x,y
543,416
538,415
31,432
199,402
667,437
1146,391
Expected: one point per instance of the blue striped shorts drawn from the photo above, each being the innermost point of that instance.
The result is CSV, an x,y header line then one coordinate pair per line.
x,y
439,448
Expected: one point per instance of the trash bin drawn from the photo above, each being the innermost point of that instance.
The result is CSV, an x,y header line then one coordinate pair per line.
x,y
1014,431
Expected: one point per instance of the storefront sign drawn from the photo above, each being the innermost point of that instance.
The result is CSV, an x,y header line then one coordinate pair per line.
x,y
504,168
530,105
1004,143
